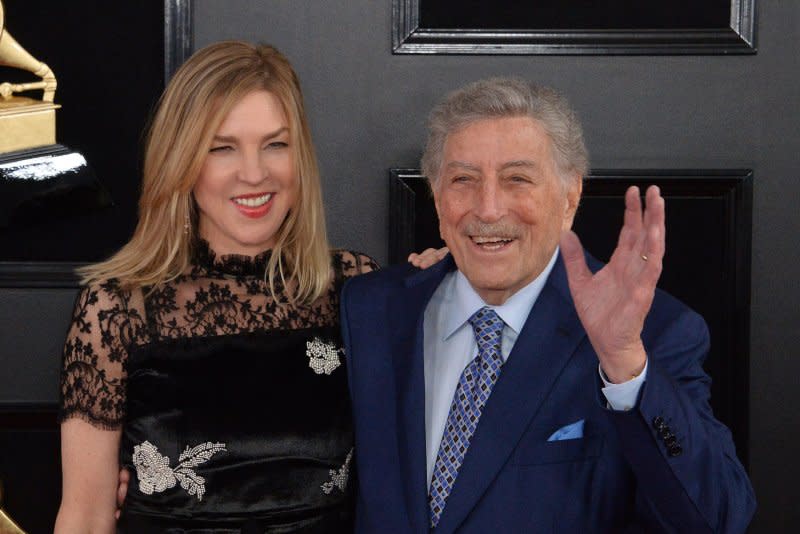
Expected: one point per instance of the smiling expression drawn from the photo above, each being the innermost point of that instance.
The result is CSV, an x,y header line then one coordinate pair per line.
x,y
501,204
247,184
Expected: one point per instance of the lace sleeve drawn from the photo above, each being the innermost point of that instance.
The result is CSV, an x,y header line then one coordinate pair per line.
x,y
347,264
365,264
95,356
353,263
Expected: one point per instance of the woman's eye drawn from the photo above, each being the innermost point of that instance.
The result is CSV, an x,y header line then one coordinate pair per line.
x,y
221,148
277,144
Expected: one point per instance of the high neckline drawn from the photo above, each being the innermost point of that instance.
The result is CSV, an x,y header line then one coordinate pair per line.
x,y
230,264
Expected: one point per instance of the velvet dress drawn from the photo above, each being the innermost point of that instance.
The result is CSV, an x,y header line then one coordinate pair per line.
x,y
234,407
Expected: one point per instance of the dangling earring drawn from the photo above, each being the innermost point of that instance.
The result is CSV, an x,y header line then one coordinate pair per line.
x,y
187,225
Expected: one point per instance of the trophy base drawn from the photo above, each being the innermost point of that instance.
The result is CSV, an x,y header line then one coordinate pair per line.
x,y
45,183
7,525
26,123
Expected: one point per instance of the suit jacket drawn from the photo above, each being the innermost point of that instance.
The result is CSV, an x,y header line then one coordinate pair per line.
x,y
666,465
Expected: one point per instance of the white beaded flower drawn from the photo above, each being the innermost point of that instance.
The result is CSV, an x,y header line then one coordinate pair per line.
x,y
152,469
323,357
155,475
340,477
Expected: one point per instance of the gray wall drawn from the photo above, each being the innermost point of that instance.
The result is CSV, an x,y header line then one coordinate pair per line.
x,y
367,110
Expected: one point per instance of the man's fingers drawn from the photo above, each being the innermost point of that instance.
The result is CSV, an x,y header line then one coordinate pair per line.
x,y
654,251
654,244
578,272
427,257
654,213
632,223
633,207
636,237
122,489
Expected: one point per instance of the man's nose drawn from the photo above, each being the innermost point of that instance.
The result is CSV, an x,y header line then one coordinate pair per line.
x,y
490,202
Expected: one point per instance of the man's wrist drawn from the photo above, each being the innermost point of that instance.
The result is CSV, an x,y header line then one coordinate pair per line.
x,y
622,396
628,367
620,377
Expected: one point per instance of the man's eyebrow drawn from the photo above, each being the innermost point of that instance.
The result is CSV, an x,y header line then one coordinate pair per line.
x,y
519,163
462,165
233,138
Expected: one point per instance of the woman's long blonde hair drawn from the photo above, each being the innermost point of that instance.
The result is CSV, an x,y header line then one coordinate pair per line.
x,y
189,113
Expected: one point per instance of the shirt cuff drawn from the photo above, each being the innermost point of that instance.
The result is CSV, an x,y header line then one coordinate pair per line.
x,y
623,396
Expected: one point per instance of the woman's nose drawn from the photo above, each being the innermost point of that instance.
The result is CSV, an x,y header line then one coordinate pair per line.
x,y
253,170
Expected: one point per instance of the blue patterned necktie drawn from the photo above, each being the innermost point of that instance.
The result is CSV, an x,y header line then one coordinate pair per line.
x,y
472,391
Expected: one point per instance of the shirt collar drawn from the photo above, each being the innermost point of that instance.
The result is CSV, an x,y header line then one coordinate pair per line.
x,y
514,311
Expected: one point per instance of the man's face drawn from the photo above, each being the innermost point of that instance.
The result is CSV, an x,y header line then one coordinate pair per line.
x,y
501,204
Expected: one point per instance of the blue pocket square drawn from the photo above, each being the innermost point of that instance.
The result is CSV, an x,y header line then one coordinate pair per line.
x,y
571,431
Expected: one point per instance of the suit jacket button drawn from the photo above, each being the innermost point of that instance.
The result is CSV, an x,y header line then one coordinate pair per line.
x,y
675,450
658,422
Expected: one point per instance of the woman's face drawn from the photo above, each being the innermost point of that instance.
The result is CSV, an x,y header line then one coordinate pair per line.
x,y
248,183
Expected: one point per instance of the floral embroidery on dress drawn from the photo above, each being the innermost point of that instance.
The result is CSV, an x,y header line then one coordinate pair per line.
x,y
155,475
323,357
339,477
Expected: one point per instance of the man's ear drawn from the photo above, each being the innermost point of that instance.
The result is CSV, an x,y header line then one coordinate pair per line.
x,y
572,200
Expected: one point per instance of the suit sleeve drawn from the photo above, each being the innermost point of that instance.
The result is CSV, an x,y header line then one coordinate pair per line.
x,y
684,461
350,367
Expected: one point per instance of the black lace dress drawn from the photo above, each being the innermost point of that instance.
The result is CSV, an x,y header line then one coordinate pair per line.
x,y
234,408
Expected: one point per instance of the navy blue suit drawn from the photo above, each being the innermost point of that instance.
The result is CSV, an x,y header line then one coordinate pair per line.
x,y
619,477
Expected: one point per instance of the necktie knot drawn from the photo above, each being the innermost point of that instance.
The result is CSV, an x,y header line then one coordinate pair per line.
x,y
488,328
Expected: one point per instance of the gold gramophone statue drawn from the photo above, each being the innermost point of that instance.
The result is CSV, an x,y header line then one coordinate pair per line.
x,y
7,525
25,122
37,175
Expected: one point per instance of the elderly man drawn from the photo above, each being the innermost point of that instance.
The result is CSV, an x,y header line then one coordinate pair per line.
x,y
513,387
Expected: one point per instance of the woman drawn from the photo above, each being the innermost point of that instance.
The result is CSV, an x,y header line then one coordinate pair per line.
x,y
204,356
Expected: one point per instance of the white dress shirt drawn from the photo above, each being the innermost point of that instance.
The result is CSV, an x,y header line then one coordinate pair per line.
x,y
449,346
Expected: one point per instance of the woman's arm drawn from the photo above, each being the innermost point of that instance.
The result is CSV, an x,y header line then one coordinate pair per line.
x,y
90,466
104,322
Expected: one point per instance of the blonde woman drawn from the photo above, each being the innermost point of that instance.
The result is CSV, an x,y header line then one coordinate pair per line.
x,y
205,355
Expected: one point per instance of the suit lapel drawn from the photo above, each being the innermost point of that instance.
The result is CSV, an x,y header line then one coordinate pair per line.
x,y
406,326
545,345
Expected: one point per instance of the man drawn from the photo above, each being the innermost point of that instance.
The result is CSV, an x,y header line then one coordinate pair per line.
x,y
514,388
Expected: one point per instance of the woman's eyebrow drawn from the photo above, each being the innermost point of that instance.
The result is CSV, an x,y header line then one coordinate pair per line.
x,y
233,138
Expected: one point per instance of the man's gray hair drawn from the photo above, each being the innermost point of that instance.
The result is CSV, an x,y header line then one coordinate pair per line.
x,y
508,97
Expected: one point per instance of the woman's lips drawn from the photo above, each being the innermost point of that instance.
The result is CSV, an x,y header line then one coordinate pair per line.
x,y
253,205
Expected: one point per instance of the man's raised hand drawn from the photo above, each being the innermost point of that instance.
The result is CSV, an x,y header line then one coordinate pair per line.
x,y
613,302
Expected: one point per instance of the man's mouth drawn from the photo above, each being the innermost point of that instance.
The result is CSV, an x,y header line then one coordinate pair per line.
x,y
491,243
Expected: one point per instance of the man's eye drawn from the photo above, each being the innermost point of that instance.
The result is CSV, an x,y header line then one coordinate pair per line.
x,y
519,179
457,179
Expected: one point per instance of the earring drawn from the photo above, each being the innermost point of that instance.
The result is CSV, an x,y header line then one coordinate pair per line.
x,y
186,225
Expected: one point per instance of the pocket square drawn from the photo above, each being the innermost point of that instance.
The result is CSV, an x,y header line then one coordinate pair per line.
x,y
570,431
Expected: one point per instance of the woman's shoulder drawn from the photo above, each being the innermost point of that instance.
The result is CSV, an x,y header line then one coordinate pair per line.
x,y
105,305
110,294
107,320
349,263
